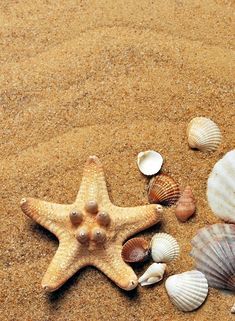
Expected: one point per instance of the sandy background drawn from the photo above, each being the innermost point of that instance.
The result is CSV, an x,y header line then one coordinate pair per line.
x,y
109,78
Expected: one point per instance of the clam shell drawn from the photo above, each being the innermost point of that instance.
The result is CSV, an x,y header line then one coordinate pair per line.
x,y
135,250
186,205
221,188
187,290
164,247
153,274
213,249
163,190
203,134
149,162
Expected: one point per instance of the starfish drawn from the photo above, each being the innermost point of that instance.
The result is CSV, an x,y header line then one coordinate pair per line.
x,y
91,231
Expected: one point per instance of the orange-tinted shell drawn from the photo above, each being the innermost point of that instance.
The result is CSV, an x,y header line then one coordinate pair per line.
x,y
135,250
186,205
163,190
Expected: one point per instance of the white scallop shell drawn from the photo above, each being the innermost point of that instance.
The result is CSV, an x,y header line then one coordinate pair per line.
x,y
203,134
187,290
164,247
149,162
213,249
153,274
221,188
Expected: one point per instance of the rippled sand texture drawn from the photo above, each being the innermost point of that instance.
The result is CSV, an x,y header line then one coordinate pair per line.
x,y
110,78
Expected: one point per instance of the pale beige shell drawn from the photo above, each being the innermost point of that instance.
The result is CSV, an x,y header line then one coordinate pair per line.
x,y
186,205
163,190
203,134
213,249
135,250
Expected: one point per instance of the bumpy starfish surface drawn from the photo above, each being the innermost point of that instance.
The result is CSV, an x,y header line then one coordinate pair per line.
x,y
91,231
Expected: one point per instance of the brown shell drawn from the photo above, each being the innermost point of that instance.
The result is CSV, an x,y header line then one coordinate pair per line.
x,y
186,205
163,190
135,250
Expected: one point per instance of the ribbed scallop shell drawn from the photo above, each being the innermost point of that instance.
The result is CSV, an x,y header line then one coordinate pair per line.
x,y
203,134
153,274
213,249
221,188
187,290
135,250
163,190
164,247
186,205
149,162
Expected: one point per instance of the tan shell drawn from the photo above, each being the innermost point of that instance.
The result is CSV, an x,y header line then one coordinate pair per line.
x,y
135,250
203,134
163,189
186,205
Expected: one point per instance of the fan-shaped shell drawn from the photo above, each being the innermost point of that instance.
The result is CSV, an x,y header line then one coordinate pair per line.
x,y
153,274
203,134
135,250
149,162
187,290
186,205
164,247
221,188
163,190
213,249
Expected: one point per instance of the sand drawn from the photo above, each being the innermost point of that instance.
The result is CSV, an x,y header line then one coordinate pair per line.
x,y
110,78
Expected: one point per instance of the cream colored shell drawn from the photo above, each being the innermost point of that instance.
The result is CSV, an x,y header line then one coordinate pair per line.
x,y
213,249
203,134
153,274
164,247
221,188
187,290
149,162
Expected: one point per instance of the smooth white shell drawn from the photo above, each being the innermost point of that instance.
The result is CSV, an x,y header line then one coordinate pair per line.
x,y
187,290
213,249
203,134
221,188
149,162
233,309
164,247
153,274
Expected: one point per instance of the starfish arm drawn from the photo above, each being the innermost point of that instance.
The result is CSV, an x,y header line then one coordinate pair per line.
x,y
132,220
93,185
63,265
113,266
50,215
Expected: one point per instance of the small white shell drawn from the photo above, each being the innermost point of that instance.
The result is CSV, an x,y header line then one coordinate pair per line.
x,y
203,134
221,188
153,274
149,162
187,290
164,247
233,309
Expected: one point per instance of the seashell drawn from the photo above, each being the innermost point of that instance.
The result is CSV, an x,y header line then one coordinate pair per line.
x,y
221,188
149,162
163,189
213,249
164,247
233,309
185,206
153,274
203,134
187,290
135,250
